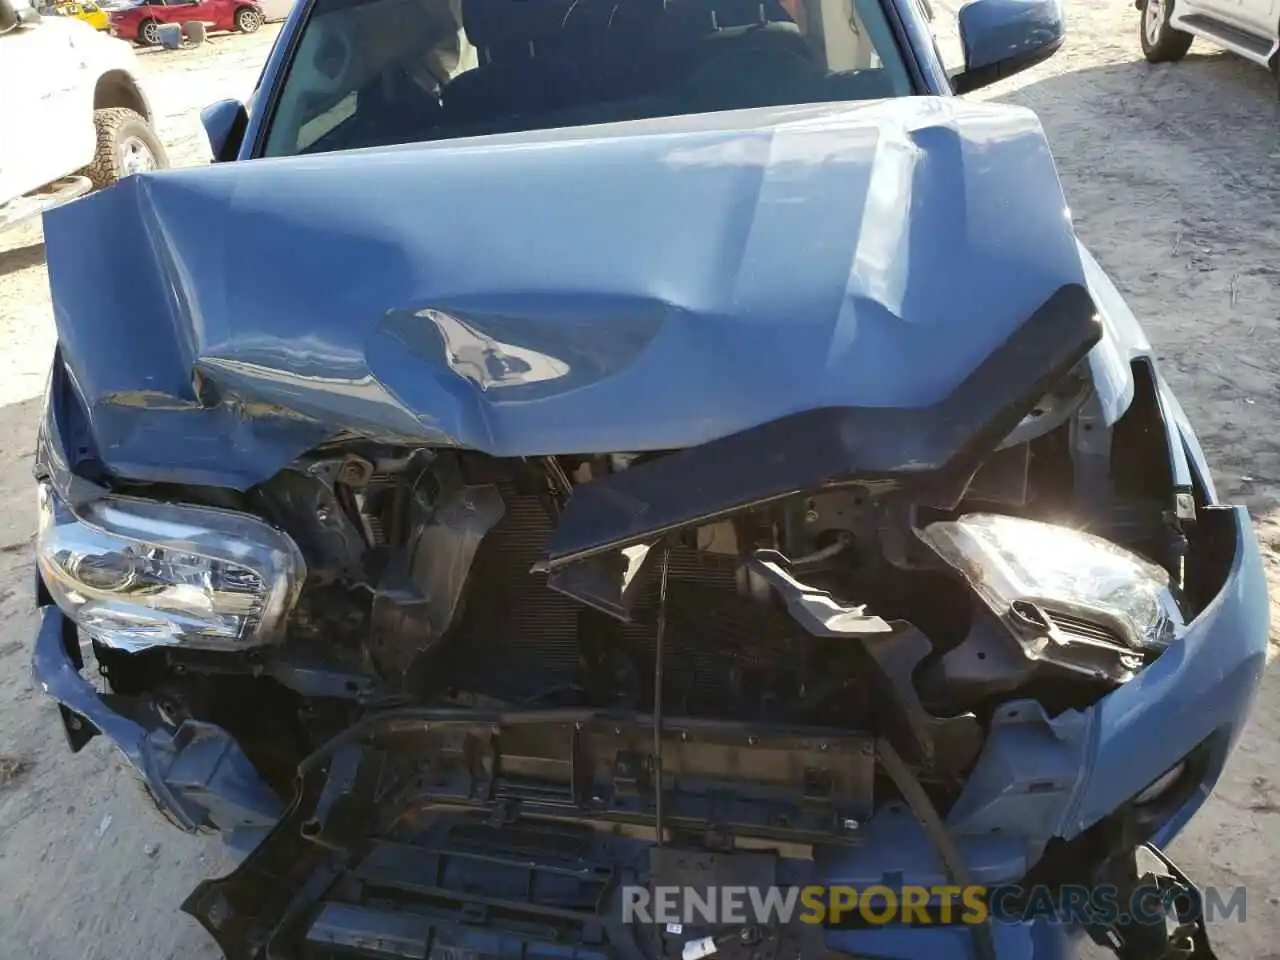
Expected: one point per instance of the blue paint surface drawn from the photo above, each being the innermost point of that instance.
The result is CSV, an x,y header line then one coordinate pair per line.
x,y
219,321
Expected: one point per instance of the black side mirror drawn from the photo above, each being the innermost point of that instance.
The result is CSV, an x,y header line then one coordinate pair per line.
x,y
1004,37
224,125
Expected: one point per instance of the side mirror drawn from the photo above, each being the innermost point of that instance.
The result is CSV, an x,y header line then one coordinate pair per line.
x,y
1004,37
224,125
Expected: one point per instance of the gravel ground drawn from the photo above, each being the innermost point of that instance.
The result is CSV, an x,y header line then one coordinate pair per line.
x,y
1173,174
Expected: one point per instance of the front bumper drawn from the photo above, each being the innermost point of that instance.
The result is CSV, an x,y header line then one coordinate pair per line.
x,y
196,774
486,886
1038,778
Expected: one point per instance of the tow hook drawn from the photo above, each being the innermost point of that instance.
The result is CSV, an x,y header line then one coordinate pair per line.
x,y
1172,927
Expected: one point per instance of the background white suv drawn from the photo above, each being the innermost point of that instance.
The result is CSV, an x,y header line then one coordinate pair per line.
x,y
73,115
1250,28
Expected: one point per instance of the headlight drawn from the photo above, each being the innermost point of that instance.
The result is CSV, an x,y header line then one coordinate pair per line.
x,y
135,574
1064,572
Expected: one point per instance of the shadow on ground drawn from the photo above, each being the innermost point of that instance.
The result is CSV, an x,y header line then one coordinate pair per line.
x,y
1222,100
20,258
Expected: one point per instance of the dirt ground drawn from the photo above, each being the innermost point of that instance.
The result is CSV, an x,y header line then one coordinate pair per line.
x,y
1173,174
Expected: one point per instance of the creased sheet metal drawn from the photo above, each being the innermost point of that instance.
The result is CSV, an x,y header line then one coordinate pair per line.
x,y
627,287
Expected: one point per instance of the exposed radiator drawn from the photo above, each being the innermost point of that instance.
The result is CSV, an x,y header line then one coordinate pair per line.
x,y
512,619
528,637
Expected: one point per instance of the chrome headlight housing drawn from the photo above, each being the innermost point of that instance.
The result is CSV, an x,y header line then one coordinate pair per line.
x,y
1010,561
135,574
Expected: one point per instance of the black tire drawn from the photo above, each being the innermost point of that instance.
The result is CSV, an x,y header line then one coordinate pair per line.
x,y
1161,43
125,140
146,33
248,20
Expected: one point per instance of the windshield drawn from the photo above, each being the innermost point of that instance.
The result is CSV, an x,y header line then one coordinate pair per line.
x,y
377,72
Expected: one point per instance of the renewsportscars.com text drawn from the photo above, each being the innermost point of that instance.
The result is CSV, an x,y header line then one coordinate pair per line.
x,y
838,906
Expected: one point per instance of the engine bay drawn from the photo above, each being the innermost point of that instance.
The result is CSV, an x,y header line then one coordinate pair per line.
x,y
458,592
427,588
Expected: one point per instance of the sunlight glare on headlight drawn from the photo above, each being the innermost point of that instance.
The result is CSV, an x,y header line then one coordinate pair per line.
x,y
1010,559
135,574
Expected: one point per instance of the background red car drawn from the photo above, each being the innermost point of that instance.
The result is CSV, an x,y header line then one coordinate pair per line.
x,y
139,22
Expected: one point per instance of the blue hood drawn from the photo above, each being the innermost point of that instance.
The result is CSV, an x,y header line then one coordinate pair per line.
x,y
639,286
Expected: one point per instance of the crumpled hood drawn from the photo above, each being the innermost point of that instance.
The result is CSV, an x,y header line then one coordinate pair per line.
x,y
649,285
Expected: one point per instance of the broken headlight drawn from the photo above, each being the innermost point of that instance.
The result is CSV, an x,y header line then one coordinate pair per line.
x,y
1072,576
135,574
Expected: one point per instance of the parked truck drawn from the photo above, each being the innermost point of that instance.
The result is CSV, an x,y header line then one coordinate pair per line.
x,y
73,114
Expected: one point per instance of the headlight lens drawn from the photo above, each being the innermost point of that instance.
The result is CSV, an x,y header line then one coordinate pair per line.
x,y
1064,571
136,574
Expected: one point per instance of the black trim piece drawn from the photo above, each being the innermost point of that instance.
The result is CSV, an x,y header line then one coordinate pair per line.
x,y
1146,875
281,73
235,135
931,452
1228,33
969,80
911,57
952,861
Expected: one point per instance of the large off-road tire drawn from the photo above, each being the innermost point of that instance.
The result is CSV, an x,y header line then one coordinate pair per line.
x,y
248,20
148,33
1161,42
126,145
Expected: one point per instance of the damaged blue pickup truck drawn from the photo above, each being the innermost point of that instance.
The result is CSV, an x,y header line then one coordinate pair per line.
x,y
561,447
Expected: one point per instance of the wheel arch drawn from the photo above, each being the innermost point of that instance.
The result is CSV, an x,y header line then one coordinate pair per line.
x,y
118,88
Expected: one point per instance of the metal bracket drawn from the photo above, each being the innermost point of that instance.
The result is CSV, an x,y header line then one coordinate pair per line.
x,y
814,609
1183,935
896,649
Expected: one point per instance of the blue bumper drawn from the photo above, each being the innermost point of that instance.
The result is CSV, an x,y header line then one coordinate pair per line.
x,y
1038,778
196,774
